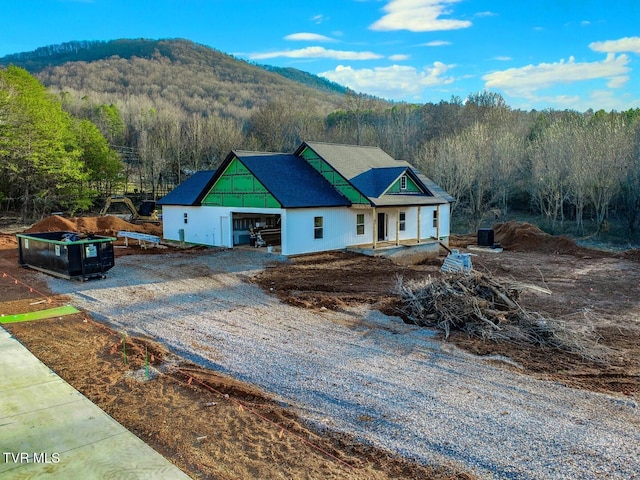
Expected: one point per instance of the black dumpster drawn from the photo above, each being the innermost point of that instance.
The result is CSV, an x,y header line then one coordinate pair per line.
x,y
485,237
66,254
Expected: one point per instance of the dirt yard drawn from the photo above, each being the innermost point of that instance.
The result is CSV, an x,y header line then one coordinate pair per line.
x,y
597,291
212,426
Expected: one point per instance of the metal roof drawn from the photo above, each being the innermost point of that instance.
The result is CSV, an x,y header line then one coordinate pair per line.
x,y
296,184
399,200
353,160
368,168
291,180
190,191
375,181
433,187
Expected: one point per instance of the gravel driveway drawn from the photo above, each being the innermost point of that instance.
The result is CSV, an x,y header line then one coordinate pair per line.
x,y
364,373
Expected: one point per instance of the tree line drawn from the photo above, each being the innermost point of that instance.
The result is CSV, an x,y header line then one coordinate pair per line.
x,y
49,160
564,166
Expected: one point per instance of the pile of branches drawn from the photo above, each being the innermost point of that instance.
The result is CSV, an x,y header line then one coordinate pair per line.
x,y
488,308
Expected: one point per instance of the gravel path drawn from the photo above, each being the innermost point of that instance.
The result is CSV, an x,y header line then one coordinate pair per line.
x,y
362,372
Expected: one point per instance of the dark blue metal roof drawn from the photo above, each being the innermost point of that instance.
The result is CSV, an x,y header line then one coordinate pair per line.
x,y
291,180
375,181
433,187
191,191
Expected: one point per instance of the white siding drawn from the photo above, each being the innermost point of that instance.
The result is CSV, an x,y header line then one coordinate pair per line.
x,y
339,230
445,220
427,228
200,227
204,226
211,226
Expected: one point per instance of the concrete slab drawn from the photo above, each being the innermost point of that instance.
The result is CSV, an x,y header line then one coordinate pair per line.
x,y
49,430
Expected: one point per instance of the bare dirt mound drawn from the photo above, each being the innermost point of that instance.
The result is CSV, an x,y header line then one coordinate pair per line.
x,y
457,240
107,225
525,237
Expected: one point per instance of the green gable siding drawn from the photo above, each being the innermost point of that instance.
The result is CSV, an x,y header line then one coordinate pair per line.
x,y
411,187
237,187
334,178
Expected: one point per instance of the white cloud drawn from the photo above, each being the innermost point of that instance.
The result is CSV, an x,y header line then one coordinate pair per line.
x,y
626,44
317,52
308,37
585,23
318,19
436,43
525,81
486,14
418,16
503,58
395,82
399,57
608,100
596,99
618,82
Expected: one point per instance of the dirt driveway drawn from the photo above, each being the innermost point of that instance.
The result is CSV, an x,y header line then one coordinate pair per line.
x,y
357,371
210,425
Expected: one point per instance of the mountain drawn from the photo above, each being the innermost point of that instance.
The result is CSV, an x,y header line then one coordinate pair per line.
x,y
174,73
307,79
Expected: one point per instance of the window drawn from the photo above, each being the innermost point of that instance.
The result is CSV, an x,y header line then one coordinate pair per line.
x,y
186,218
435,218
403,182
317,227
403,221
360,224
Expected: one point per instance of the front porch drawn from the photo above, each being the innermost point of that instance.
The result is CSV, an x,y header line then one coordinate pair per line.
x,y
402,251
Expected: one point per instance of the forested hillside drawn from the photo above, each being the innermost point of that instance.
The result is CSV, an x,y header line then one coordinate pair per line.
x,y
178,74
171,107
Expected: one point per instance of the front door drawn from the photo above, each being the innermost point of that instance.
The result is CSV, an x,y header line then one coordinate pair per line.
x,y
382,226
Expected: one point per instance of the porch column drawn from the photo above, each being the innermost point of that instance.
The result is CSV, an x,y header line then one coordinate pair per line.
x,y
419,219
375,227
438,222
398,226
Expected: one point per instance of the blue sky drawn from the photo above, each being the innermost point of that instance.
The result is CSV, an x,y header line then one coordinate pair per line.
x,y
561,54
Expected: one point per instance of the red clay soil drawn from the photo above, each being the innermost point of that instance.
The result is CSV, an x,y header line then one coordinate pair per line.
x,y
593,289
107,225
212,426
525,237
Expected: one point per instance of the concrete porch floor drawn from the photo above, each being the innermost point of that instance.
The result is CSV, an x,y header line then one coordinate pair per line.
x,y
49,430
405,251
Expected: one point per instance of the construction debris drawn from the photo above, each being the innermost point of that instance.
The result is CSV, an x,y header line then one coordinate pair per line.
x,y
457,262
488,308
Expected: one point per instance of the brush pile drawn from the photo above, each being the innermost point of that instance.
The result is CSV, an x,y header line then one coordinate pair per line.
x,y
488,308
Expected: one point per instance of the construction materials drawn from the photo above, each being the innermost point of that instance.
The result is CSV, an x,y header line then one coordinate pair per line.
x,y
122,207
457,262
66,254
39,315
265,236
143,238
